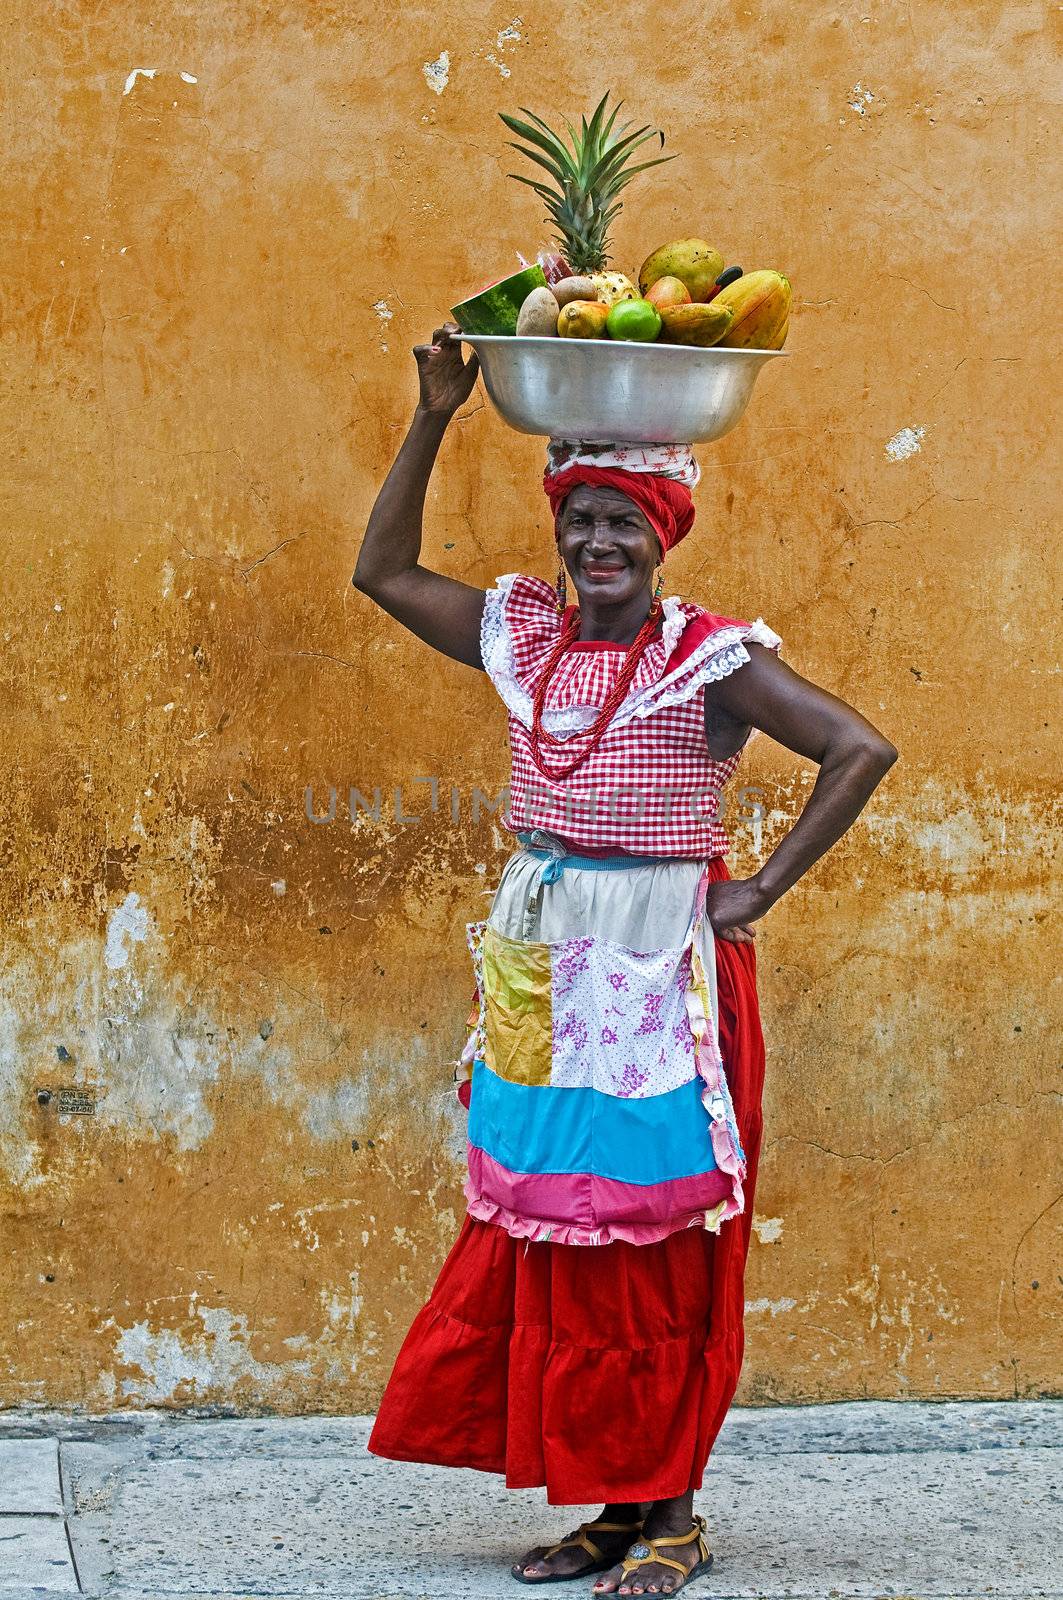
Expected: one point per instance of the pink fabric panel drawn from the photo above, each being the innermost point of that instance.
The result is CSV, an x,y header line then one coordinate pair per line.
x,y
592,1203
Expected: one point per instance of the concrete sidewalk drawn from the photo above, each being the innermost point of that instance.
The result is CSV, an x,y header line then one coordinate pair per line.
x,y
828,1502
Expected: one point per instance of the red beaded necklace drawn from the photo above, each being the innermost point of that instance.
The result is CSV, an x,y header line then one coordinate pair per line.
x,y
591,737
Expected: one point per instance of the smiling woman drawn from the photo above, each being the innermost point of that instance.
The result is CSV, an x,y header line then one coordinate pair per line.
x,y
586,1332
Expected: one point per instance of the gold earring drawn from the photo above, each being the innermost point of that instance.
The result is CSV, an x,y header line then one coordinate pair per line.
x,y
562,593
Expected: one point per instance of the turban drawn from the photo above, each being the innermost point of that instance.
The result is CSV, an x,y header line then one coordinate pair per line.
x,y
658,478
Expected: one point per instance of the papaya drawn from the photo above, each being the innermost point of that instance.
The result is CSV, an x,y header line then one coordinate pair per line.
x,y
583,319
695,324
692,261
760,302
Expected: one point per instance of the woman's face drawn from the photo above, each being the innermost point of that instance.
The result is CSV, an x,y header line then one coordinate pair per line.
x,y
607,544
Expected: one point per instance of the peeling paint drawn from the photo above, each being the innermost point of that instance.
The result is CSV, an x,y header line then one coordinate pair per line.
x,y
129,924
505,37
138,72
768,1229
861,99
196,1367
437,73
905,443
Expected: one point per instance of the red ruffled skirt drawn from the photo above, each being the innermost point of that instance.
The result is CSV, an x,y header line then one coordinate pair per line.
x,y
602,1372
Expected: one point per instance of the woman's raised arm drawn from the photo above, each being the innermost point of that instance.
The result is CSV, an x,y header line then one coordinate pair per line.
x,y
442,611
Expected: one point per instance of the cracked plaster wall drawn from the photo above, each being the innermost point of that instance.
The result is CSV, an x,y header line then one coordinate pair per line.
x,y
224,227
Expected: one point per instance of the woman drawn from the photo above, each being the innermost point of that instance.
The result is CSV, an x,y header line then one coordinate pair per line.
x,y
585,1332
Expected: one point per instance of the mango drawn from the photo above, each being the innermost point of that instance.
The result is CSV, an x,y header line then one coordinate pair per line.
x,y
583,319
696,324
692,261
761,305
537,318
573,289
613,287
668,292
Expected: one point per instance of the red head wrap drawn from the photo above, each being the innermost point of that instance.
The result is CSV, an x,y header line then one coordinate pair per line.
x,y
666,503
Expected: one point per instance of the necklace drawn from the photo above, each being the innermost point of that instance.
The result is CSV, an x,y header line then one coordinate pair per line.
x,y
588,739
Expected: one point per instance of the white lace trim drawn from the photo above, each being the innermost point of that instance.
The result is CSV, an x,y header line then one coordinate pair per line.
x,y
675,620
496,651
718,656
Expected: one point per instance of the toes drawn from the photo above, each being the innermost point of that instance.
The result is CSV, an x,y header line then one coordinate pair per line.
x,y
608,1583
532,1565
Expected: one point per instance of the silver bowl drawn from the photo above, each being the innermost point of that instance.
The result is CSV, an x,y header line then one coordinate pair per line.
x,y
601,389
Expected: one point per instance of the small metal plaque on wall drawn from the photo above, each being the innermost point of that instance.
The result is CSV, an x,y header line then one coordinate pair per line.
x,y
76,1103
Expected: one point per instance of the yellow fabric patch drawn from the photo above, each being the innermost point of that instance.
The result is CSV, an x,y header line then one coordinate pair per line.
x,y
519,1020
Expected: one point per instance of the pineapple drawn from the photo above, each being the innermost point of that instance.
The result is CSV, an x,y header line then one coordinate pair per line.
x,y
588,172
613,287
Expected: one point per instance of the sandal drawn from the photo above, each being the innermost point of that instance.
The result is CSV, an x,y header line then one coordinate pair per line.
x,y
600,1561
647,1551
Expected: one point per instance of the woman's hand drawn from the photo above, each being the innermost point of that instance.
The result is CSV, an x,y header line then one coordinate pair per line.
x,y
446,379
731,904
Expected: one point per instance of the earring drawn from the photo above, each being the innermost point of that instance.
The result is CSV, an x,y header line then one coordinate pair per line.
x,y
658,590
562,593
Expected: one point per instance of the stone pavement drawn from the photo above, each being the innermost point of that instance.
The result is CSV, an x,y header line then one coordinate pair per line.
x,y
815,1503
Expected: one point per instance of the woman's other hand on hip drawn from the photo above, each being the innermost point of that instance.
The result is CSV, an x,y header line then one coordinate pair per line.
x,y
732,905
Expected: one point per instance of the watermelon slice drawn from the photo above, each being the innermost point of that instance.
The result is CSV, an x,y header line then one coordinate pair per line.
x,y
494,309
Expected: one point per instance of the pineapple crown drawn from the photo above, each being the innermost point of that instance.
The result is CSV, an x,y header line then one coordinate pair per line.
x,y
588,172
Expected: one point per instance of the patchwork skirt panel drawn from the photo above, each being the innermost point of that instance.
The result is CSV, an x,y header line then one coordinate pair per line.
x,y
601,1372
598,1099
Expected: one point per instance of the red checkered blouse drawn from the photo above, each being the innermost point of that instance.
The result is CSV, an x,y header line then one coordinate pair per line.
x,y
651,787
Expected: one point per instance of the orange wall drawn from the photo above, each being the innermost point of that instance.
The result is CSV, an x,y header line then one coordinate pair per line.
x,y
211,278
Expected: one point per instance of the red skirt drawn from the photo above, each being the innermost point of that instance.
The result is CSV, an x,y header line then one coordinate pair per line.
x,y
601,1372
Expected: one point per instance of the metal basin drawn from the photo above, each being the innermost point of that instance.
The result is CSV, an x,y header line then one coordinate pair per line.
x,y
598,389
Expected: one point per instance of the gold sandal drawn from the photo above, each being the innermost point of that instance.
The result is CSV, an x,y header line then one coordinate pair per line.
x,y
647,1551
600,1561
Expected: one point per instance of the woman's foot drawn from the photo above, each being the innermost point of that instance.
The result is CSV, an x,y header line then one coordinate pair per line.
x,y
651,1577
572,1560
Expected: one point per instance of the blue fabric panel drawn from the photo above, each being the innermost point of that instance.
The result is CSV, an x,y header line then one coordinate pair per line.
x,y
645,1141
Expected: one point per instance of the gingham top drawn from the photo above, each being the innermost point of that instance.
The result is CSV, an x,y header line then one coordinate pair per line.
x,y
651,787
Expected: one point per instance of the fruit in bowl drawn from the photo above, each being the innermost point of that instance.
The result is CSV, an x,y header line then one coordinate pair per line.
x,y
496,308
537,318
636,320
684,296
694,262
667,292
612,287
583,319
696,324
760,304
588,170
573,289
